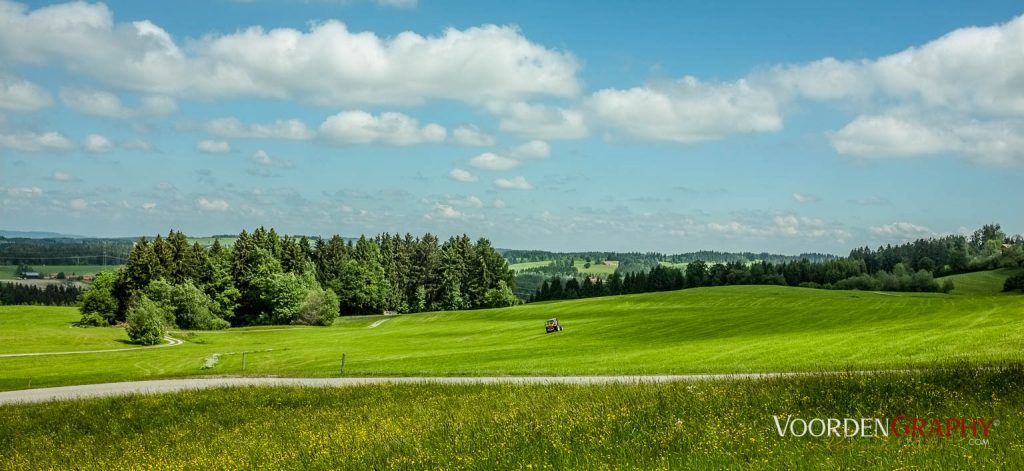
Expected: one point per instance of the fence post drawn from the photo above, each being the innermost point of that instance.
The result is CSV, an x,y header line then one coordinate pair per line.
x,y
243,361
342,364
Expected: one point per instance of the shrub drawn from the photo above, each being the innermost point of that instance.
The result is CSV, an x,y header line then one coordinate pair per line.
x,y
947,286
320,308
1014,283
146,321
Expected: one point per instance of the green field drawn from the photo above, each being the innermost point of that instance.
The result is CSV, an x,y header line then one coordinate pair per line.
x,y
518,267
680,425
980,283
594,269
719,330
7,271
208,241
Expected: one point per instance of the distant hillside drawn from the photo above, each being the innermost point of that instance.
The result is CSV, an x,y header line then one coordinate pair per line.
x,y
37,235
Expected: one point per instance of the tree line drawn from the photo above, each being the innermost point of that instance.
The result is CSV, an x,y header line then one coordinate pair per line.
x,y
906,267
49,295
264,278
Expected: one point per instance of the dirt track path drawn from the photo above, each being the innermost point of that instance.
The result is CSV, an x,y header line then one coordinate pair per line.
x,y
191,384
171,342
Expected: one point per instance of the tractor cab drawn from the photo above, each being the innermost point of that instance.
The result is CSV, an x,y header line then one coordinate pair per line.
x,y
553,326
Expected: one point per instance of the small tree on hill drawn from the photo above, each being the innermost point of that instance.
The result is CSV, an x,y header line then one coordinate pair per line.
x,y
146,321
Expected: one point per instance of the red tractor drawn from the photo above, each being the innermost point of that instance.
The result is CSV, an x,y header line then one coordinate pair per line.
x,y
553,326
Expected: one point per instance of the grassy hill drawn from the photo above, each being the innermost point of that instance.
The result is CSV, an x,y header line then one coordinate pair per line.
x,y
980,283
725,329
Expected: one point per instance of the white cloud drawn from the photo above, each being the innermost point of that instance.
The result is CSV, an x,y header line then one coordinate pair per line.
x,y
149,206
901,230
212,204
517,183
445,211
805,198
492,161
280,129
24,192
97,144
262,158
872,136
109,105
63,176
210,146
463,176
360,127
781,225
329,64
532,150
470,135
539,121
78,204
993,142
499,204
688,110
467,202
36,142
21,95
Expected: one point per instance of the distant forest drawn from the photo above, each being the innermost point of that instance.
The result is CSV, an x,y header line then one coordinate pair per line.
x,y
906,267
64,251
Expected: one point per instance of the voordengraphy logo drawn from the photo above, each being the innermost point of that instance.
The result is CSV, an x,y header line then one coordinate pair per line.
x,y
975,429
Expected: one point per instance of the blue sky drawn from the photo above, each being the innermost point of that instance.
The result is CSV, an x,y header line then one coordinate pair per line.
x,y
667,126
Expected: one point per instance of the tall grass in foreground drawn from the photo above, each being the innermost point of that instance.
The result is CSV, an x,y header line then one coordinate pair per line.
x,y
710,424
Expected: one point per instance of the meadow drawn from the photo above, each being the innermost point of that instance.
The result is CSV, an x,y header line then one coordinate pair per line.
x,y
705,330
679,425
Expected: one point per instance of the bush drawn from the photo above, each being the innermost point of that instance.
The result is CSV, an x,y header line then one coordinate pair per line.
x,y
146,321
947,286
92,320
1014,283
502,296
320,308
861,282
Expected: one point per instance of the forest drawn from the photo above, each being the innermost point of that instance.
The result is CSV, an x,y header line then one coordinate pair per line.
x,y
264,278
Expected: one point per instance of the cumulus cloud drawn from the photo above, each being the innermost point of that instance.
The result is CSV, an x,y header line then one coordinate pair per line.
x,y
805,198
470,135
97,144
36,142
210,146
78,204
687,110
995,142
463,176
492,161
901,230
24,192
539,121
360,127
444,211
108,105
149,206
262,158
17,94
212,204
781,225
63,176
516,183
281,129
532,150
328,64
